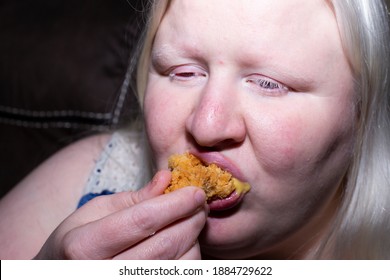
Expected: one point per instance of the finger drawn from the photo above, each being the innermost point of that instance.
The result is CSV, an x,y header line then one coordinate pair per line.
x,y
193,254
110,235
154,188
102,206
171,243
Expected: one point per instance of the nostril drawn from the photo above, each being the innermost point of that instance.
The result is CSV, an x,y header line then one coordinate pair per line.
x,y
215,141
225,144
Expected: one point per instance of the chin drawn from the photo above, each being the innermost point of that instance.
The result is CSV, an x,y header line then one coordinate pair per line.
x,y
225,252
224,237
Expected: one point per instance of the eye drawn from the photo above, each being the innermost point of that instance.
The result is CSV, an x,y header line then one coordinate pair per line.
x,y
266,85
187,73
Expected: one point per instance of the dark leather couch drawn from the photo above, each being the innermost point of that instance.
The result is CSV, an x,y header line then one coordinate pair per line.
x,y
62,76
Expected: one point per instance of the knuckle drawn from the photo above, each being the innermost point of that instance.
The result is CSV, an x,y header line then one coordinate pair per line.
x,y
72,247
173,245
168,247
142,220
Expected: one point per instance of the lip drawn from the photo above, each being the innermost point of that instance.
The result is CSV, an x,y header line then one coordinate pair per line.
x,y
223,162
227,203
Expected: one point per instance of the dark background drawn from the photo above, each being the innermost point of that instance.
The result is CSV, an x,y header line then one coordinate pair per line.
x,y
62,69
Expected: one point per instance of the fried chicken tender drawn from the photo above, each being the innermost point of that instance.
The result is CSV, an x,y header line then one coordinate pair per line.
x,y
188,170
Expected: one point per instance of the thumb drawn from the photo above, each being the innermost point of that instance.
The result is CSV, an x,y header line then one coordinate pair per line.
x,y
154,188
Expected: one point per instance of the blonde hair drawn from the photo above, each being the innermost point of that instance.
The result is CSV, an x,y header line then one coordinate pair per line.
x,y
156,11
361,229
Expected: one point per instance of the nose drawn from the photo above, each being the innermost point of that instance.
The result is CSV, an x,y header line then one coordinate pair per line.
x,y
216,119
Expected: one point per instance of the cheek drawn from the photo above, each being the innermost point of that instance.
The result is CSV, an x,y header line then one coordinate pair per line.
x,y
280,144
159,121
297,144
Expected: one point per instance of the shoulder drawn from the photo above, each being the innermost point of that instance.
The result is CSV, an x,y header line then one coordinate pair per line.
x,y
49,194
69,167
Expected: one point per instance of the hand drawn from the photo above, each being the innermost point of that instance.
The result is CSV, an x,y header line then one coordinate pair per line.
x,y
133,225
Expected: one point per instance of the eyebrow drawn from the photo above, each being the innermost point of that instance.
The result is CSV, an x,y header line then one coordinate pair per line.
x,y
167,51
158,54
161,57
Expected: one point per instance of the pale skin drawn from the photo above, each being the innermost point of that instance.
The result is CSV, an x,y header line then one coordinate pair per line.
x,y
274,104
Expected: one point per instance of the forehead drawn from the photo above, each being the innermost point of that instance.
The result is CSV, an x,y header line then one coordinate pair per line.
x,y
261,24
248,11
287,16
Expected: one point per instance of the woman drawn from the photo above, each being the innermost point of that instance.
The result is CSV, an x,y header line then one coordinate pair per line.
x,y
290,96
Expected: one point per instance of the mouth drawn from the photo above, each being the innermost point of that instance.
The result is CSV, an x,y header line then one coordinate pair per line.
x,y
236,197
226,203
212,172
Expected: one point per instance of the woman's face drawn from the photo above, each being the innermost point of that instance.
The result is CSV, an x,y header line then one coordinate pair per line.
x,y
263,89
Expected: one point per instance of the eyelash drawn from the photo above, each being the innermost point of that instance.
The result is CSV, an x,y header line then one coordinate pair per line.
x,y
267,85
187,73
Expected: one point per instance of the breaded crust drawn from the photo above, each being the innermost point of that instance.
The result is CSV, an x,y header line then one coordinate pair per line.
x,y
188,170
